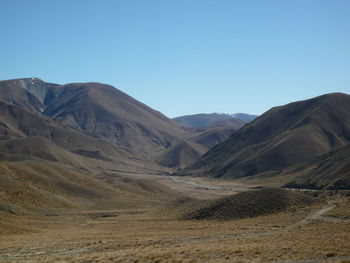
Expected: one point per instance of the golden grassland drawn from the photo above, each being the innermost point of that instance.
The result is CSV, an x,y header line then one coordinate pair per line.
x,y
119,218
140,236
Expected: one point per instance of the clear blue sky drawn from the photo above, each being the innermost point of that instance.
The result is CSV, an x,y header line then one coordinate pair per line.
x,y
183,56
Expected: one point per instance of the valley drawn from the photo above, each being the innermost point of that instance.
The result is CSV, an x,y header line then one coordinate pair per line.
x,y
89,174
146,234
180,131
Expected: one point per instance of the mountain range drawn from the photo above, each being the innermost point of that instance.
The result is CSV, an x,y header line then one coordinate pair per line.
x,y
93,128
213,119
207,130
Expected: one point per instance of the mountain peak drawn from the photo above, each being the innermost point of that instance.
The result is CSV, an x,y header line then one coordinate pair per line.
x,y
26,80
97,110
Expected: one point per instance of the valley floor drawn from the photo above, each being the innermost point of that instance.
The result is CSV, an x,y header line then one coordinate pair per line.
x,y
318,233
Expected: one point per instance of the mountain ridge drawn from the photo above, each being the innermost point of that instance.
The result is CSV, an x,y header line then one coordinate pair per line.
x,y
96,110
282,136
209,119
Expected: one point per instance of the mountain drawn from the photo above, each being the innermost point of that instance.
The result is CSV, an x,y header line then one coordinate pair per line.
x,y
281,137
202,120
28,93
244,117
206,131
68,146
97,111
191,149
181,155
329,171
25,135
212,136
209,130
202,139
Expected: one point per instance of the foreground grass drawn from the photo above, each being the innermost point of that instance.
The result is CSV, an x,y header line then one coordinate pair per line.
x,y
139,236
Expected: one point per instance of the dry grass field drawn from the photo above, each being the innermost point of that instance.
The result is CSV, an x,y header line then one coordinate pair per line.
x,y
319,232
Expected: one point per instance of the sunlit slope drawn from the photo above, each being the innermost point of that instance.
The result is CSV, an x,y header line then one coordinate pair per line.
x,y
281,137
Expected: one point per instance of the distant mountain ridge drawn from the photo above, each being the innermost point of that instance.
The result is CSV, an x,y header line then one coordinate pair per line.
x,y
243,116
207,130
202,120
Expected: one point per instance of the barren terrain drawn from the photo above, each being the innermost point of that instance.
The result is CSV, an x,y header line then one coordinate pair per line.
x,y
136,233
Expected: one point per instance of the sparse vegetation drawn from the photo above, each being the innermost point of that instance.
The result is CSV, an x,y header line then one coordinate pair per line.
x,y
80,181
138,237
248,204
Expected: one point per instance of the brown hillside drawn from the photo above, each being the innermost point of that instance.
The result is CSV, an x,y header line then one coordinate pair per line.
x,y
25,134
35,185
55,139
96,110
210,137
181,155
102,111
281,137
329,171
232,123
38,185
18,123
187,152
245,204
